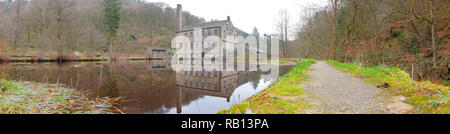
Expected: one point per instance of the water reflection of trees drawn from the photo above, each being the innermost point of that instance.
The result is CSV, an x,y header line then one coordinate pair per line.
x,y
147,89
220,84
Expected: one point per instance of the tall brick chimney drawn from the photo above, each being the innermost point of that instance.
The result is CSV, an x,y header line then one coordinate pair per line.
x,y
179,18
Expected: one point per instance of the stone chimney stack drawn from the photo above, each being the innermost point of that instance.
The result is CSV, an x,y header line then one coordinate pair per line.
x,y
228,18
179,18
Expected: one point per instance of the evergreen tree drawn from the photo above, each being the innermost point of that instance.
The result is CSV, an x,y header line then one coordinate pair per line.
x,y
112,19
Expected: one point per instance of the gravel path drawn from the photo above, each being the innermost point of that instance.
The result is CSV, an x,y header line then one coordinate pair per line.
x,y
336,92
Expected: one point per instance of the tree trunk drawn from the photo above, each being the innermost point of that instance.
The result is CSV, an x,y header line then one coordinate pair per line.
x,y
335,44
433,38
286,40
16,31
110,48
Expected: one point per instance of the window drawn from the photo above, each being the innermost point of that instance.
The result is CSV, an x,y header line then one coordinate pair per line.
x,y
209,85
209,32
185,34
215,85
196,84
191,35
225,84
216,32
214,73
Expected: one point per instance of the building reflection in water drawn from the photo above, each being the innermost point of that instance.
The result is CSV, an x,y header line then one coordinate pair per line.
x,y
150,87
211,83
160,64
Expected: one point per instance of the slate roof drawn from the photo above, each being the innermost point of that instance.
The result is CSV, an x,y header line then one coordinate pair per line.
x,y
205,25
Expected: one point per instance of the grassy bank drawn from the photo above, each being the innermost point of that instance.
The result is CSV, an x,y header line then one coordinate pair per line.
x,y
280,97
76,59
280,61
36,98
141,58
56,59
425,96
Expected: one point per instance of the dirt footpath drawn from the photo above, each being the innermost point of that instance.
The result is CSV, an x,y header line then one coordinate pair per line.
x,y
335,92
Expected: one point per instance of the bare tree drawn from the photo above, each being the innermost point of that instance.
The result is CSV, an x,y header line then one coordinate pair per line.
x,y
18,22
282,23
51,27
433,37
432,23
308,28
334,3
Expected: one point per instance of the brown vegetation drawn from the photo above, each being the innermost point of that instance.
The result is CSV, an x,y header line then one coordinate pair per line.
x,y
57,28
410,34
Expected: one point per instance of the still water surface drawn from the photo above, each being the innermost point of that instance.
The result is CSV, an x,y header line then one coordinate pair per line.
x,y
151,87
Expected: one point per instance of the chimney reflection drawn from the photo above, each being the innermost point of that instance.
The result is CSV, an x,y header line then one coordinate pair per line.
x,y
211,83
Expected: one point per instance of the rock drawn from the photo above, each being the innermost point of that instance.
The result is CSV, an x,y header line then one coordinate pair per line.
x,y
385,85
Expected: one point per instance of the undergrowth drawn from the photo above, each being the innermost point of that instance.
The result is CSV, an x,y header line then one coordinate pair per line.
x,y
424,95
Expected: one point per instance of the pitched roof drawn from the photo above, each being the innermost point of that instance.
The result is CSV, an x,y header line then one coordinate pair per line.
x,y
205,25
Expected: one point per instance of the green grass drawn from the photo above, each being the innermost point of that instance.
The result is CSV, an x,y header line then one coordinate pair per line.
x,y
280,98
424,95
48,59
6,85
21,59
287,88
93,59
284,62
136,58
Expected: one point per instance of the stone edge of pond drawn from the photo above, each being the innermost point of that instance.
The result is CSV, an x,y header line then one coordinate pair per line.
x,y
23,97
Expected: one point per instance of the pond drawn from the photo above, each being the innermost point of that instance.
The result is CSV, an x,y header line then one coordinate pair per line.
x,y
150,87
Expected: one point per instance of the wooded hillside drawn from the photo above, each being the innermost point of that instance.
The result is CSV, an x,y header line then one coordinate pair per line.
x,y
49,27
411,34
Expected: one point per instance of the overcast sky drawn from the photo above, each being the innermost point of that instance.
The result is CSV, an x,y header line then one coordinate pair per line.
x,y
245,14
